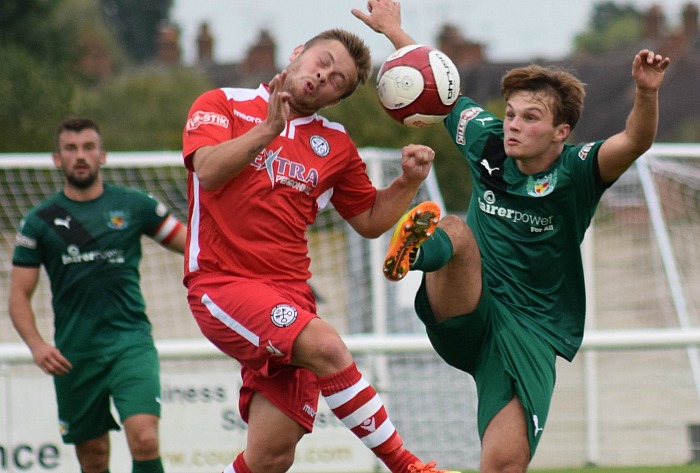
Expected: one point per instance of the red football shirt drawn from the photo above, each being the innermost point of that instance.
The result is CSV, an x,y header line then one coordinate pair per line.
x,y
255,225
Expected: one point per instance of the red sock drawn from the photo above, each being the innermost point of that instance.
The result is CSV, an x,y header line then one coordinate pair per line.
x,y
358,406
238,466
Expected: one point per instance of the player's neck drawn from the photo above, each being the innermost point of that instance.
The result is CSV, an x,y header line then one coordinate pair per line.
x,y
541,163
83,195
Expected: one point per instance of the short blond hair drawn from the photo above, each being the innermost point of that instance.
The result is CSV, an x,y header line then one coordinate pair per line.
x,y
357,49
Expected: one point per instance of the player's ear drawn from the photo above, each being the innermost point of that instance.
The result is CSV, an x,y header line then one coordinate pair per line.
x,y
561,132
296,52
57,160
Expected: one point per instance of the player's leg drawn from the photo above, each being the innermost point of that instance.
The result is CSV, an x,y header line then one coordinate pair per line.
x,y
93,454
135,389
505,446
240,316
142,437
462,274
351,398
515,378
272,438
446,251
244,318
84,412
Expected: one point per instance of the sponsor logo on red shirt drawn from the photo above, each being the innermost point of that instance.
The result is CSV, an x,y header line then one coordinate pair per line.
x,y
200,118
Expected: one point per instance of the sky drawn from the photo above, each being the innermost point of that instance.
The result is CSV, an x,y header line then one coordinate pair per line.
x,y
510,30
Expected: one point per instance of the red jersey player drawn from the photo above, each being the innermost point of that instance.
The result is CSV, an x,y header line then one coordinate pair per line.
x,y
262,164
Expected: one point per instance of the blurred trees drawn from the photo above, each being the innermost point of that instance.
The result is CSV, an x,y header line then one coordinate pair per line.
x,y
35,83
612,26
62,57
144,110
96,58
135,23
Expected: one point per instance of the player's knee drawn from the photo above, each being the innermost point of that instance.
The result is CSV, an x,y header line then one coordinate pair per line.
x,y
93,459
458,231
320,349
93,455
144,445
271,460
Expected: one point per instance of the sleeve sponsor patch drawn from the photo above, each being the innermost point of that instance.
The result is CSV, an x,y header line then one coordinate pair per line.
x,y
25,241
201,117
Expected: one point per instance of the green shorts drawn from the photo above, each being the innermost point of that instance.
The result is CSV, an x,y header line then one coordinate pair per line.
x,y
505,358
131,378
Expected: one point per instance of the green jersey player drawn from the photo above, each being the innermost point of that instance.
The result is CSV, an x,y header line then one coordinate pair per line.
x,y
88,238
503,293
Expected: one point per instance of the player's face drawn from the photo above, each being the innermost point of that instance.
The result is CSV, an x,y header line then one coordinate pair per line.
x,y
319,76
80,156
530,135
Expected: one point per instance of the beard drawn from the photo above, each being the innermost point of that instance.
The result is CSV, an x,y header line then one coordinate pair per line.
x,y
81,182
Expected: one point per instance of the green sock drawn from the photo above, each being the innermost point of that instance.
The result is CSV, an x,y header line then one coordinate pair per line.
x,y
148,466
434,253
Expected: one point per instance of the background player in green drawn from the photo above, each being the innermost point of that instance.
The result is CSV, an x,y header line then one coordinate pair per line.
x,y
503,294
88,237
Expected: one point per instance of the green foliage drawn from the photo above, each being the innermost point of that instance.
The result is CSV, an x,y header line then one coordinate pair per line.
x,y
44,80
87,33
34,96
143,110
611,27
135,23
688,132
35,87
29,25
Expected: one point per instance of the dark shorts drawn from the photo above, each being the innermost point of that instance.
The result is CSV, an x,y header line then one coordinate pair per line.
x,y
505,358
131,378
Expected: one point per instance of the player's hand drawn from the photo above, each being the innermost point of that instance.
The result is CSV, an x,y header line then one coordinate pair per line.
x,y
416,161
278,105
648,69
50,360
384,15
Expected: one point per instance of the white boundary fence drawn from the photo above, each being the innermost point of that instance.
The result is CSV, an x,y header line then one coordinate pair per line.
x,y
17,353
381,343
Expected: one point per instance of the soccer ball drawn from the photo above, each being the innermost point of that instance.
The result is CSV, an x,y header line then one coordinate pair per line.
x,y
418,85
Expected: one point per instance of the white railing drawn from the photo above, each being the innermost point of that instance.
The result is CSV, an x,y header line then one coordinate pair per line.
x,y
200,349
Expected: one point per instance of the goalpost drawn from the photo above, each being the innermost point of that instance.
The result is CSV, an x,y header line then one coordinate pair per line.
x,y
352,295
630,398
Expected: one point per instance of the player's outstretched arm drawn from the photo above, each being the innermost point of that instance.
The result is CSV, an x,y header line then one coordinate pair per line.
x,y
391,202
619,151
385,18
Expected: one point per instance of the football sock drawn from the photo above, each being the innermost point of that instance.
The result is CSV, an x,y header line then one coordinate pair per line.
x,y
359,408
238,466
147,466
434,253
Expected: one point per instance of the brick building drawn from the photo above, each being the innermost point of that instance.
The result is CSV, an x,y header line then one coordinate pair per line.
x,y
607,76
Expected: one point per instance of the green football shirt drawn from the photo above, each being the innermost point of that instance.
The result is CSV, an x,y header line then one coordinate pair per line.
x,y
529,228
91,252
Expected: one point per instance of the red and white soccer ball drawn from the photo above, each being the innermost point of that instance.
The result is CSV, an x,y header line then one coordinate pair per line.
x,y
418,85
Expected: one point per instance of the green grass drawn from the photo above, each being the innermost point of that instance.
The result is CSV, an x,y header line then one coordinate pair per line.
x,y
636,469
